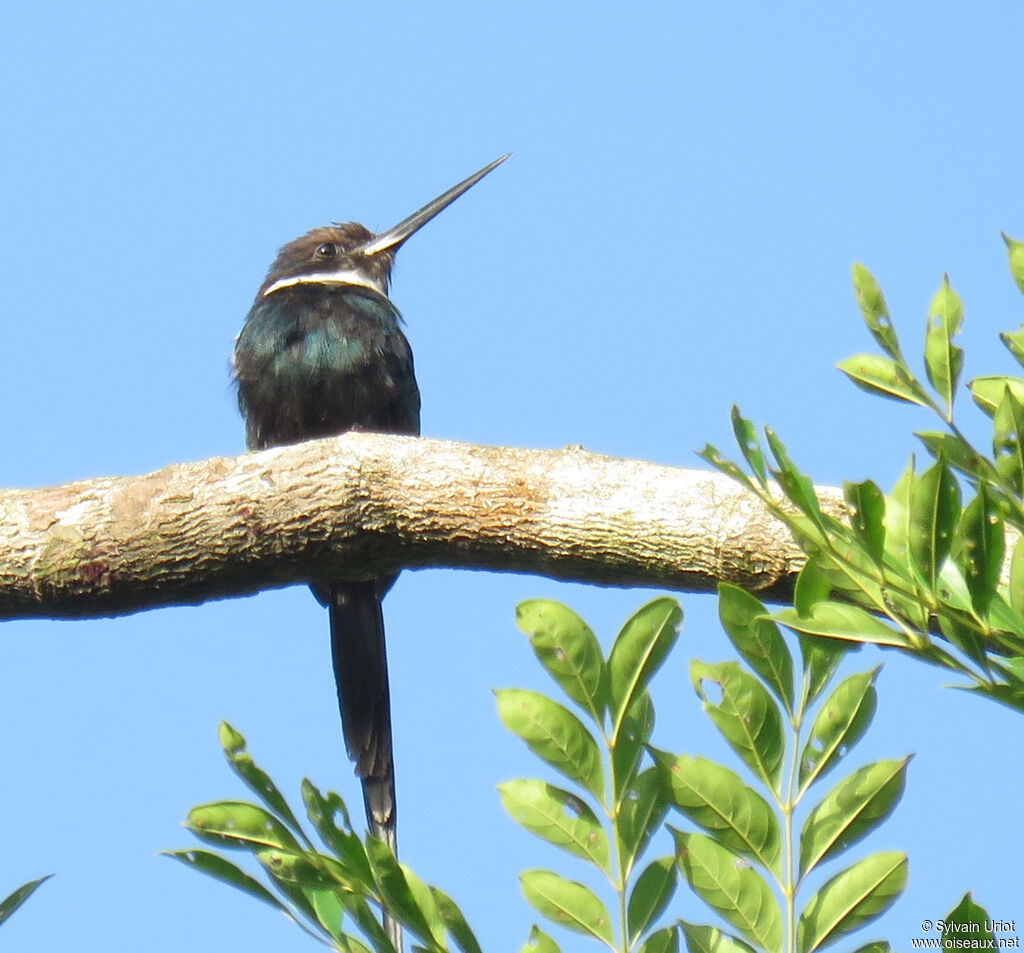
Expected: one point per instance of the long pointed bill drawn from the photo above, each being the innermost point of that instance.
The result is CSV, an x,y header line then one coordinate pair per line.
x,y
395,236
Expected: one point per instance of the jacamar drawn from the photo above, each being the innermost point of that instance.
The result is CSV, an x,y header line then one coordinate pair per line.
x,y
322,352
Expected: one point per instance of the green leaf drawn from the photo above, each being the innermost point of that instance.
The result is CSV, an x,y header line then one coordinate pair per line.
x,y
849,900
734,891
964,638
943,359
640,814
851,811
554,734
651,893
423,897
981,546
628,746
17,897
568,649
343,841
988,391
957,454
972,919
1007,435
750,446
396,886
665,940
717,799
883,376
329,914
797,486
897,516
558,817
213,865
301,869
837,620
713,456
813,585
877,946
566,903
701,939
639,649
539,942
1015,253
455,922
1014,341
757,639
1017,577
839,725
934,511
239,824
745,715
357,907
865,506
257,780
820,659
874,311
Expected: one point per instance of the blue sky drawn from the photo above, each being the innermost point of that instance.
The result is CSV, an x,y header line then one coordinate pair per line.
x,y
673,235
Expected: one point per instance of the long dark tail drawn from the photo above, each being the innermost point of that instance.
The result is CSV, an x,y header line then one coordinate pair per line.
x,y
361,675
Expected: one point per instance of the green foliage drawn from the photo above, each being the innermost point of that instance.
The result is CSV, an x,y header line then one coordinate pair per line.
x,y
17,897
613,807
752,860
328,891
921,569
748,860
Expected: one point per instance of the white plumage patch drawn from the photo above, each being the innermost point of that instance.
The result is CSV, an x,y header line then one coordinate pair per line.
x,y
349,277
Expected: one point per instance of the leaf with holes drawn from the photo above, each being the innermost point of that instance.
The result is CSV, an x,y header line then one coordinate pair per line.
x,y
745,714
558,817
322,811
943,359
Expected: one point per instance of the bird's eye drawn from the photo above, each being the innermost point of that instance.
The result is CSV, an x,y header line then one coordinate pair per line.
x,y
326,250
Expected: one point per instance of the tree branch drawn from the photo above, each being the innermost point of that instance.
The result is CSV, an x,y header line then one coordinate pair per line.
x,y
361,505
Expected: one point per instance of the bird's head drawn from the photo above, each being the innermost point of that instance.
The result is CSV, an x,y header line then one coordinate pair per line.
x,y
350,254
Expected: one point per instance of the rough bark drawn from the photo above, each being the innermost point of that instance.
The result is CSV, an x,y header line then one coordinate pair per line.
x,y
360,505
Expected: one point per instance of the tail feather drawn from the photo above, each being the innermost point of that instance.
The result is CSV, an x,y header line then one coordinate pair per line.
x,y
361,675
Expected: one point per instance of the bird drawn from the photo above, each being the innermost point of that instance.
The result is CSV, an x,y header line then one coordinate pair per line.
x,y
322,352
